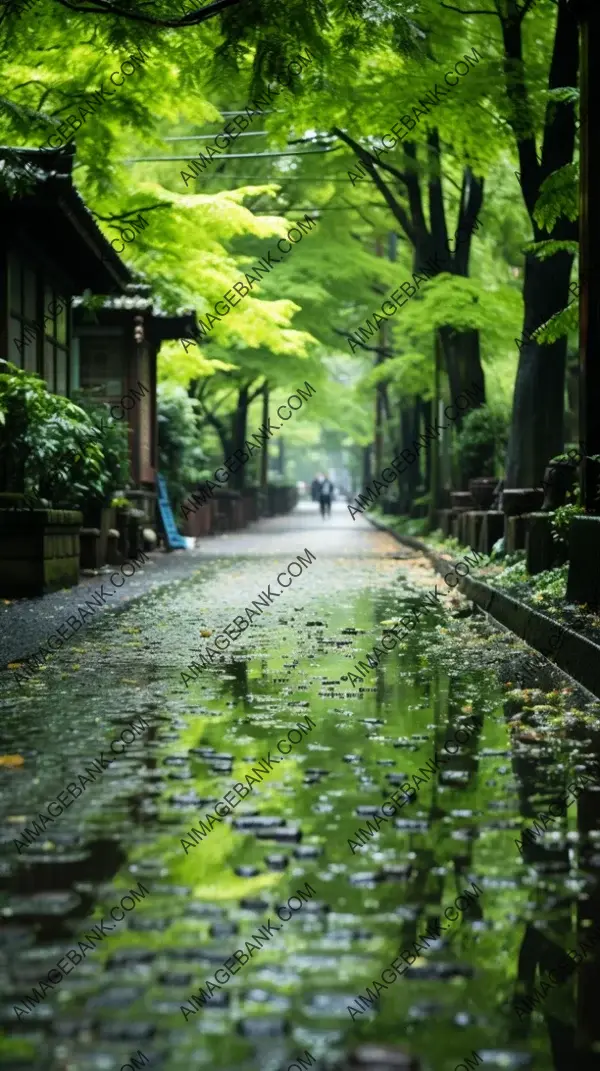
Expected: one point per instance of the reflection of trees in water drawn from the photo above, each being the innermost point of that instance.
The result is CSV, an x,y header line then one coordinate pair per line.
x,y
541,776
424,887
588,916
96,862
141,803
239,685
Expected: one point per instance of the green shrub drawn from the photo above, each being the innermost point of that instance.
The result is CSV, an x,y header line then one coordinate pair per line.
x,y
182,461
49,448
113,437
481,443
561,521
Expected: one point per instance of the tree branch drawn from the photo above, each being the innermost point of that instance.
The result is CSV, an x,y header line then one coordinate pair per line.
x,y
125,215
437,213
366,219
414,195
470,203
520,119
397,210
450,7
372,349
194,18
258,391
218,425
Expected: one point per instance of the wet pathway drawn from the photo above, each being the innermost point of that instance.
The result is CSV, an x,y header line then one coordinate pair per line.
x,y
276,909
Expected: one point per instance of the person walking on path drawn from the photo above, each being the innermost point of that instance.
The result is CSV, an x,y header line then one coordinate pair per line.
x,y
325,493
315,487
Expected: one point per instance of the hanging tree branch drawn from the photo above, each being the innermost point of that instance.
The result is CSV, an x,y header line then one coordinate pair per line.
x,y
194,18
368,160
125,215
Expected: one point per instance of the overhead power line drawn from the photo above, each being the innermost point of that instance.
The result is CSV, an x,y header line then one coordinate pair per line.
x,y
229,156
319,139
211,137
274,111
278,180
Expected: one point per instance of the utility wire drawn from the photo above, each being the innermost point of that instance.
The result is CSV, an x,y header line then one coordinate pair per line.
x,y
274,111
211,137
252,134
229,156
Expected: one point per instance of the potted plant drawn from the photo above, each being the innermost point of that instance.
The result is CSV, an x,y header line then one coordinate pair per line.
x,y
48,451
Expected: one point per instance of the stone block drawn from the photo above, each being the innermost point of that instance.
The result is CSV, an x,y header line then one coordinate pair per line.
x,y
21,576
113,555
492,529
583,583
445,521
461,500
90,548
19,546
60,573
517,501
463,531
39,551
514,534
540,548
474,523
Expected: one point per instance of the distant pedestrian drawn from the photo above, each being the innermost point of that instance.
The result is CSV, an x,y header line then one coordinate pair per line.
x,y
315,487
325,494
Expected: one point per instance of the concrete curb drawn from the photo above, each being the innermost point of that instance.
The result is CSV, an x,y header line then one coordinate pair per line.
x,y
575,654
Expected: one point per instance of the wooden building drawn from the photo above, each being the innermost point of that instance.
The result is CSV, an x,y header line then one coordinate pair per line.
x,y
52,252
116,359
51,248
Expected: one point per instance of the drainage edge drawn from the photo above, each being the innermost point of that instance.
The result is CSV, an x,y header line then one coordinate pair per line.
x,y
575,654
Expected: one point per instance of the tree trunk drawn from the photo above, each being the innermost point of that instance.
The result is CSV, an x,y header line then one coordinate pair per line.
x,y
462,359
409,423
240,418
366,465
222,429
536,432
434,447
537,425
427,414
379,393
264,457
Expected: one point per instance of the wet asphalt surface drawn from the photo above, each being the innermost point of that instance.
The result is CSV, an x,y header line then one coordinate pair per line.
x,y
207,894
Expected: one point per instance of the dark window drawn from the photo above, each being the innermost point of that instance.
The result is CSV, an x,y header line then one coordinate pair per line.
x,y
55,339
102,366
22,348
33,344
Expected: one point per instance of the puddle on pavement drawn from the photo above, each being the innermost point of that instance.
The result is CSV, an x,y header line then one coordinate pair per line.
x,y
293,828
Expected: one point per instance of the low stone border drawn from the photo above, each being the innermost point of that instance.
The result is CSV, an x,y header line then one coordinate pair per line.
x,y
575,655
